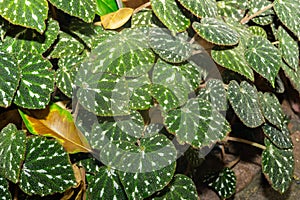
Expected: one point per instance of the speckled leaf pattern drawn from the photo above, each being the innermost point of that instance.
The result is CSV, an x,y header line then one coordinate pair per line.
x,y
280,138
278,166
4,191
288,11
234,9
288,48
9,79
266,17
257,30
216,31
170,15
82,9
46,169
181,187
28,13
271,109
12,152
293,75
263,57
170,48
145,17
244,101
106,185
37,81
197,123
201,8
224,57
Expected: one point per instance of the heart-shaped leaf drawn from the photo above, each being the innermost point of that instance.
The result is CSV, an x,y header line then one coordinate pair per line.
x,y
46,169
234,9
12,152
280,138
116,19
54,121
4,191
264,18
278,166
104,7
201,8
244,101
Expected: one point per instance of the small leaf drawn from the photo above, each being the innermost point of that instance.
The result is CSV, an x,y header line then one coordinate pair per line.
x,y
145,17
278,166
12,152
116,19
31,14
4,26
280,138
259,31
104,7
234,9
263,57
201,8
293,75
170,15
266,17
244,101
4,190
56,122
216,31
46,169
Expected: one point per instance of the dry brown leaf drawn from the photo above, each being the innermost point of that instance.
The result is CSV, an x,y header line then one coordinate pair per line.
x,y
116,19
134,3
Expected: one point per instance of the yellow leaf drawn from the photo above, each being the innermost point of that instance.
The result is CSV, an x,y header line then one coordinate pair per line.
x,y
56,122
116,19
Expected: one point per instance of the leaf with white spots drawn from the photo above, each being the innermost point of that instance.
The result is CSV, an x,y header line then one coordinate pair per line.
x,y
181,187
280,138
28,13
263,57
234,9
12,152
4,190
145,17
288,11
201,8
82,9
170,15
264,18
224,57
288,48
244,101
197,123
46,169
224,183
170,48
216,31
293,75
278,166
37,81
259,31
9,79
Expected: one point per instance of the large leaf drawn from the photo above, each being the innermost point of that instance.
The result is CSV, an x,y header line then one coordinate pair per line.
x,y
104,7
170,15
197,123
278,166
280,138
266,17
46,169
31,14
244,101
234,9
263,57
201,8
9,79
56,122
82,9
288,11
4,191
12,152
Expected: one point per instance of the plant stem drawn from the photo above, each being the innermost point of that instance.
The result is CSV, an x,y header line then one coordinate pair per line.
x,y
138,9
247,17
246,142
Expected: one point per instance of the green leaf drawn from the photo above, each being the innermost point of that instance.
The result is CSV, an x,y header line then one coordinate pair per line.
x,y
263,57
181,187
9,79
244,101
170,15
280,138
12,152
4,26
170,48
37,81
28,13
288,11
104,7
197,123
216,31
201,8
293,75
106,185
145,17
82,9
288,48
233,59
46,169
234,9
278,166
266,17
259,31
4,190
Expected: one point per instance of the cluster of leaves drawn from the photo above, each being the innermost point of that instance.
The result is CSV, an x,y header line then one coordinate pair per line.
x,y
117,75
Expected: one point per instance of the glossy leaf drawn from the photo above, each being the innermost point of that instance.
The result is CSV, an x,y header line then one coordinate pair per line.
x,y
116,19
12,152
201,8
280,138
46,169
234,9
56,122
278,166
263,57
266,17
244,101
170,15
4,190
216,31
31,14
104,7
293,75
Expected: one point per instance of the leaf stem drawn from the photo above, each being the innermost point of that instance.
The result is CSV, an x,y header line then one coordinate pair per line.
x,y
247,18
228,138
138,9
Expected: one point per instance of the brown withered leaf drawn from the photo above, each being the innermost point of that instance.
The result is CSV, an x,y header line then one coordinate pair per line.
x,y
134,3
116,19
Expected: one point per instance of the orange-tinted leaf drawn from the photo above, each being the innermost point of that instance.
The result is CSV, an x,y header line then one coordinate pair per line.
x,y
116,19
56,122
